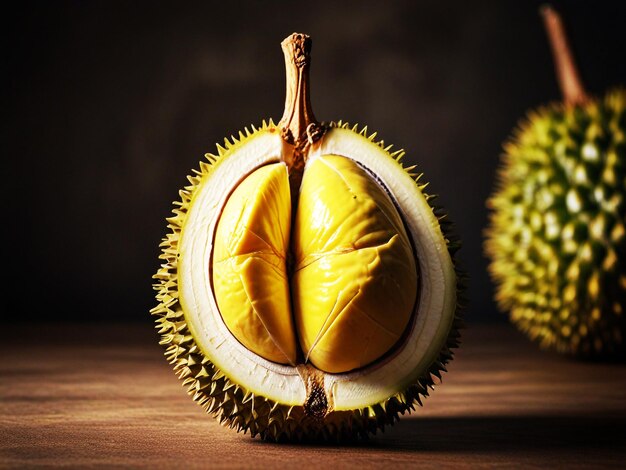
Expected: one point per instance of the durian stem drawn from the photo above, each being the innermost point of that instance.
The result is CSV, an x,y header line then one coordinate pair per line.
x,y
567,73
298,125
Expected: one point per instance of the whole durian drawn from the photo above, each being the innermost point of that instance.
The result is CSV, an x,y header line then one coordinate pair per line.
x,y
557,234
308,289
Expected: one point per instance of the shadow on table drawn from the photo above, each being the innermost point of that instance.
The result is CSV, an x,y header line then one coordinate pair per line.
x,y
504,433
509,434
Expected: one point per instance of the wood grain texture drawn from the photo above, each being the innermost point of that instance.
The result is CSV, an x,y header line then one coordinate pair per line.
x,y
103,396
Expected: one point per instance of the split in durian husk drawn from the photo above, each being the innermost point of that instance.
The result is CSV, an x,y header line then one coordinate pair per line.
x,y
557,234
288,398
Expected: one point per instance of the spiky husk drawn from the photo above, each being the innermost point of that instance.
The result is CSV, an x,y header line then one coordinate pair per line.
x,y
231,403
557,234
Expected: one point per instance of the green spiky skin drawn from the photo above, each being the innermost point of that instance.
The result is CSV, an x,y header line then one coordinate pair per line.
x,y
557,234
238,408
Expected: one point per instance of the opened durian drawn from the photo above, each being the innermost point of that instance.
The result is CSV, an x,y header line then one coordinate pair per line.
x,y
557,235
309,289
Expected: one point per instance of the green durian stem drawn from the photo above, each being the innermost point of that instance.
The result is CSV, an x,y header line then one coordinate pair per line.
x,y
567,73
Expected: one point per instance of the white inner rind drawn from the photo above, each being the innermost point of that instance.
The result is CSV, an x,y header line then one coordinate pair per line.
x,y
373,384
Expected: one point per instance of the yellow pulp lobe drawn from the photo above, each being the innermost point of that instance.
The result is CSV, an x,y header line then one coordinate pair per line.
x,y
355,280
249,268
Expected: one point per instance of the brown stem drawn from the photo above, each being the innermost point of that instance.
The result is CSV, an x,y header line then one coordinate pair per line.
x,y
567,73
298,125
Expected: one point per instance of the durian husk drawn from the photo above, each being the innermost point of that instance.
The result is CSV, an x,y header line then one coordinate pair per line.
x,y
566,293
240,409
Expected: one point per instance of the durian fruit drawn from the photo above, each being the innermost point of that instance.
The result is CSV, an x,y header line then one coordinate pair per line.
x,y
557,235
308,290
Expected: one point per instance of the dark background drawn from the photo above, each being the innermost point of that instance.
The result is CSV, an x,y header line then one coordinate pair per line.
x,y
108,105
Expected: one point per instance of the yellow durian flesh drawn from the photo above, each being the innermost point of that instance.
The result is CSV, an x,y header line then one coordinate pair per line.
x,y
249,264
354,282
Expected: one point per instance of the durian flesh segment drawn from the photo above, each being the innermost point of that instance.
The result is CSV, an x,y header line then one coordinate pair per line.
x,y
355,280
249,266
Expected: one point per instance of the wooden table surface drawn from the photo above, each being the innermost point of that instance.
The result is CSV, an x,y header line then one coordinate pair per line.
x,y
103,396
